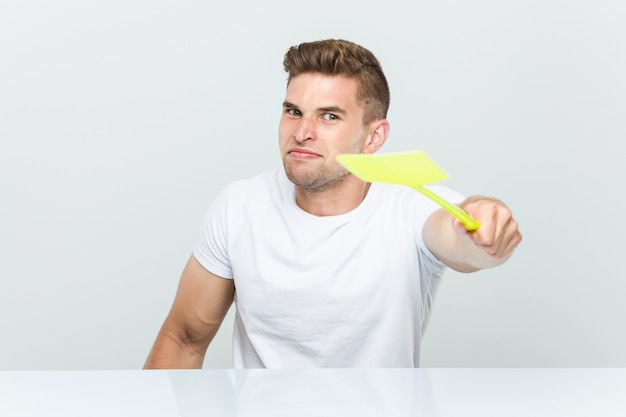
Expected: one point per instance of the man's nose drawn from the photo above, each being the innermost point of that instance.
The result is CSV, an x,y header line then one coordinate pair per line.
x,y
305,130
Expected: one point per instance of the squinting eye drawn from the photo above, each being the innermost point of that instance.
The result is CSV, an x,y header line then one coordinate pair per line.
x,y
330,116
293,112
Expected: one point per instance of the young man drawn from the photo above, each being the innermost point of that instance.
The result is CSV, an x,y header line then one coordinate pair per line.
x,y
325,269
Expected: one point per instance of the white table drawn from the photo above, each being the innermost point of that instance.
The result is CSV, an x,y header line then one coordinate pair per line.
x,y
316,392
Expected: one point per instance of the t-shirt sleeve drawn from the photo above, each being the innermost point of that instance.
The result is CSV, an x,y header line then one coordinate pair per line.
x,y
431,269
211,247
428,207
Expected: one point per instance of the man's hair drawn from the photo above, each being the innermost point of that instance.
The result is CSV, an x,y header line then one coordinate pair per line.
x,y
337,57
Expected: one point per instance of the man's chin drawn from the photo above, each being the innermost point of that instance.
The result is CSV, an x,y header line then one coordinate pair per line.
x,y
311,182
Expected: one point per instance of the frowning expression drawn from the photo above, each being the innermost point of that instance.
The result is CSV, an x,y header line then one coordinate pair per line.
x,y
320,120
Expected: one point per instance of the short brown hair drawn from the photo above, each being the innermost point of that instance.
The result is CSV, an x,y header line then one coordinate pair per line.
x,y
344,58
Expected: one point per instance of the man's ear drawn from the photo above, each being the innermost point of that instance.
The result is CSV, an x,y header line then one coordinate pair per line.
x,y
378,134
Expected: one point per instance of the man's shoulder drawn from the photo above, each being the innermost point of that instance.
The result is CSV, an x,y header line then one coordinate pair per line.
x,y
403,202
263,182
256,191
405,192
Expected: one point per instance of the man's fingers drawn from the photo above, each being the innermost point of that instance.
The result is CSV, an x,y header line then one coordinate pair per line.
x,y
498,234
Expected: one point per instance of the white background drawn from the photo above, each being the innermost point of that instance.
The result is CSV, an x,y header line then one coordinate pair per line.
x,y
121,120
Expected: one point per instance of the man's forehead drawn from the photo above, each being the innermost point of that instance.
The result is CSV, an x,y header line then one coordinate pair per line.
x,y
321,91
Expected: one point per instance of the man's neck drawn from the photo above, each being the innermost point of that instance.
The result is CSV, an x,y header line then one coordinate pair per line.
x,y
334,201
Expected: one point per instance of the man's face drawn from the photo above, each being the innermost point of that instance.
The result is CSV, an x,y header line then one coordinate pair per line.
x,y
320,120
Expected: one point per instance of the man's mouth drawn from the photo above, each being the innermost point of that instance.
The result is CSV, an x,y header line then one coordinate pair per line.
x,y
299,153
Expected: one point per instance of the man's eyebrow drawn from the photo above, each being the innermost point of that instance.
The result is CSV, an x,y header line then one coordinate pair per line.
x,y
332,109
328,109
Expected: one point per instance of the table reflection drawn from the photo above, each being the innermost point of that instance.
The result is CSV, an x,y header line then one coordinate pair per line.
x,y
310,392
316,392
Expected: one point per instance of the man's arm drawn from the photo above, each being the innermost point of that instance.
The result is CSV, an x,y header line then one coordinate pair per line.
x,y
201,303
464,251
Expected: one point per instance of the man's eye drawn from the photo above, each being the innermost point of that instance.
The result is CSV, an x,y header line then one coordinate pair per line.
x,y
330,116
293,112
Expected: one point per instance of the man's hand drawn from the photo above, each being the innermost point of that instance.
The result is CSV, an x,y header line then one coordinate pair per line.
x,y
467,251
498,234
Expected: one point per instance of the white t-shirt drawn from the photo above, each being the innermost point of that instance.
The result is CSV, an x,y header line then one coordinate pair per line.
x,y
352,290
